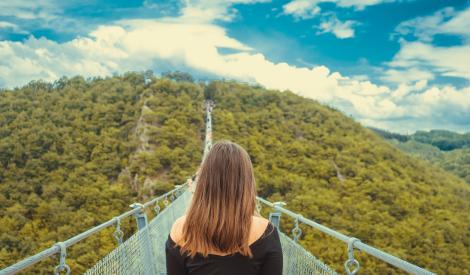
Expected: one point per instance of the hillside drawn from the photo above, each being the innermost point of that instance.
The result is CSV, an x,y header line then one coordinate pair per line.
x,y
387,198
447,150
62,147
71,157
79,152
442,139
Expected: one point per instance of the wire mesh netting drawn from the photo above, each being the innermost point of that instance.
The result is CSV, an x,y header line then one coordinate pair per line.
x,y
297,260
161,225
144,252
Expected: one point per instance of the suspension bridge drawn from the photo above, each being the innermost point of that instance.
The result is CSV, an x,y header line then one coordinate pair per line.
x,y
144,251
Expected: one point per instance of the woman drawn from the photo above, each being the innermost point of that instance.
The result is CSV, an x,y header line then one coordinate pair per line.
x,y
222,233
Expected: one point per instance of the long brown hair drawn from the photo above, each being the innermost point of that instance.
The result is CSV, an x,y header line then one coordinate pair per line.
x,y
223,204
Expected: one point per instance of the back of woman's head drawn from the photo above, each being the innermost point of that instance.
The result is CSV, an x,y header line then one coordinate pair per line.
x,y
224,202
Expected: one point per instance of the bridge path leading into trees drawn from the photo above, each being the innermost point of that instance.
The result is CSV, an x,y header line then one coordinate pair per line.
x,y
144,251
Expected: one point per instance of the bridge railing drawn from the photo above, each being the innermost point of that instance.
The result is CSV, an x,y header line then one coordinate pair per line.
x,y
351,265
60,247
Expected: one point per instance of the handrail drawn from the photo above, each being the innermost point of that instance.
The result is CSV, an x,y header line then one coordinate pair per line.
x,y
377,253
56,249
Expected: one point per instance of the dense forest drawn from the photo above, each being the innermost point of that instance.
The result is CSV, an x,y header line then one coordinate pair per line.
x,y
447,150
77,152
72,157
62,148
442,139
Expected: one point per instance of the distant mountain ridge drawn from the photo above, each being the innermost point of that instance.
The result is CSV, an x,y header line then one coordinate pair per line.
x,y
443,139
446,149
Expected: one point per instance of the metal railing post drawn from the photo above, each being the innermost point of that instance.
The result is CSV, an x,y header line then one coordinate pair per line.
x,y
275,216
147,244
140,217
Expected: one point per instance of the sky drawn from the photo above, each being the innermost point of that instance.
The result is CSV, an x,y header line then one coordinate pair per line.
x,y
400,65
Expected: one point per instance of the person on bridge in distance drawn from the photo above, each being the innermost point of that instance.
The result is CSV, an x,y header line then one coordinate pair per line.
x,y
222,233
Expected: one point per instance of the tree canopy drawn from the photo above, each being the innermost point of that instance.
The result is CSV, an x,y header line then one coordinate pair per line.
x,y
447,150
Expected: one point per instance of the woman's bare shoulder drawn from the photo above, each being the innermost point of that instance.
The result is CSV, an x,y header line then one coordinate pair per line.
x,y
260,220
258,227
177,229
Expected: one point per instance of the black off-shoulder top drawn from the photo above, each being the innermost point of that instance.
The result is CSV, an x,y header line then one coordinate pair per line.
x,y
267,259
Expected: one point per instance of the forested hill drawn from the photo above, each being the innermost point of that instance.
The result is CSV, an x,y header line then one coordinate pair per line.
x,y
447,150
329,168
442,139
78,152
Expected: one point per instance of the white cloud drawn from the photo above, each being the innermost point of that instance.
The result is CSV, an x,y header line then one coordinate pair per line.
x,y
306,9
414,102
425,27
341,30
444,21
7,25
445,61
45,14
142,44
460,24
211,10
193,41
12,28
360,4
302,8
309,8
31,9
406,76
416,56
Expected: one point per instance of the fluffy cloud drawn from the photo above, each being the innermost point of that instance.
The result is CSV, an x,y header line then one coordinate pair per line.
x,y
426,27
193,41
416,55
446,61
460,24
406,76
303,9
29,9
308,8
142,44
211,10
340,29
7,27
444,21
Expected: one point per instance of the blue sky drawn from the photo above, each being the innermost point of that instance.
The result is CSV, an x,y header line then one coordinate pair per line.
x,y
402,65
